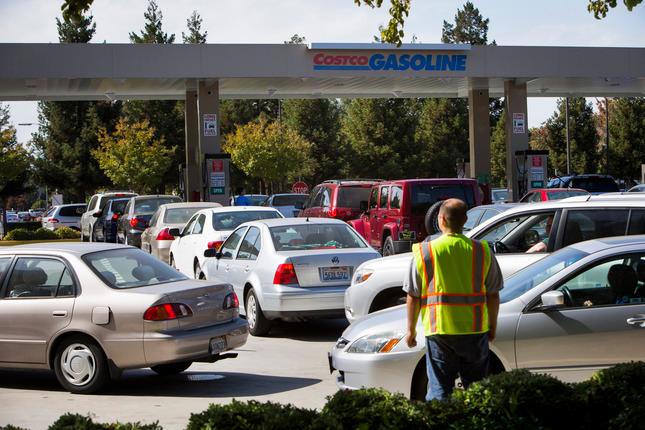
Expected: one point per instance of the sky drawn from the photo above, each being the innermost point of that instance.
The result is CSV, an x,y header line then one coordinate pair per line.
x,y
512,23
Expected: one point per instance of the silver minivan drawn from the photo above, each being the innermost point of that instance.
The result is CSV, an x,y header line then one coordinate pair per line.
x,y
64,216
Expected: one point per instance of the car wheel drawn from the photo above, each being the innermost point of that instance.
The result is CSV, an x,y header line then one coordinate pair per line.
x,y
93,237
431,220
171,368
198,272
259,325
80,365
388,247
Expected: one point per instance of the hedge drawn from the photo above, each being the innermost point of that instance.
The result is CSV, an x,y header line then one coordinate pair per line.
x,y
613,398
41,234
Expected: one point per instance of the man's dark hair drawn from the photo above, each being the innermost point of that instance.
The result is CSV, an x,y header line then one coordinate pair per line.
x,y
454,213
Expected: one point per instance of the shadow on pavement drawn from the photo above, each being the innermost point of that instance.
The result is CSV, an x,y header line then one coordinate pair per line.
x,y
319,330
144,382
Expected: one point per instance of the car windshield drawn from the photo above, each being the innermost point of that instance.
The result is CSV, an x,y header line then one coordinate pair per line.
x,y
314,236
231,220
179,215
425,195
256,199
351,197
538,272
289,200
130,268
149,206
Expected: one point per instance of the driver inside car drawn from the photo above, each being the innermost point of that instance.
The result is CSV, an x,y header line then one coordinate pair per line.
x,y
541,245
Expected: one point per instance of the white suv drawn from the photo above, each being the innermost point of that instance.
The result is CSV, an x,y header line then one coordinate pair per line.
x,y
94,211
64,216
377,283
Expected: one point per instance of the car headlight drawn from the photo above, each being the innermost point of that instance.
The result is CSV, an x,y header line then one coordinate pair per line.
x,y
375,343
361,275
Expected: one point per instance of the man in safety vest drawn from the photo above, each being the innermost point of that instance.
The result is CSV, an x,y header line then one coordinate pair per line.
x,y
454,283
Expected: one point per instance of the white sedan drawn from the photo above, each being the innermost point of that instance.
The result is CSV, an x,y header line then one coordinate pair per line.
x,y
289,268
209,228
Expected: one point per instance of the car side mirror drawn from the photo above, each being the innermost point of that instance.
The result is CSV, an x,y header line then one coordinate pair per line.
x,y
97,214
211,252
531,237
299,205
552,300
363,205
174,232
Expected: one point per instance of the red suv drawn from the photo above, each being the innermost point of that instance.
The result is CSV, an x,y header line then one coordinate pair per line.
x,y
340,199
395,215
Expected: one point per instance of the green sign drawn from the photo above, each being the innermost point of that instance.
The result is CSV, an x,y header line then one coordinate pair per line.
x,y
217,190
534,184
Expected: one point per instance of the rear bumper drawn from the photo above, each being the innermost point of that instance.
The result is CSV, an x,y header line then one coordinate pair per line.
x,y
192,345
304,302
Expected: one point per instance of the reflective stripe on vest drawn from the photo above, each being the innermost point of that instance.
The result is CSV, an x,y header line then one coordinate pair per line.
x,y
453,296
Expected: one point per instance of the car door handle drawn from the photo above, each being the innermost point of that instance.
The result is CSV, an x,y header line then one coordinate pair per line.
x,y
246,269
639,321
59,313
227,267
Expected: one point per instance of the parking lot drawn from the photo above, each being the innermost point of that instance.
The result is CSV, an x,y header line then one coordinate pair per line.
x,y
290,366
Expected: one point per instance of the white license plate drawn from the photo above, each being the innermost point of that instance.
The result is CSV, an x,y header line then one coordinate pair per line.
x,y
218,344
334,273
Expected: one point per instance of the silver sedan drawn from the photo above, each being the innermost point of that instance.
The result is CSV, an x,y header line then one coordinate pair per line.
x,y
289,267
90,311
575,311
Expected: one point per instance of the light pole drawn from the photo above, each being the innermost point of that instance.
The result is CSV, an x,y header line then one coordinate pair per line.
x,y
566,118
606,136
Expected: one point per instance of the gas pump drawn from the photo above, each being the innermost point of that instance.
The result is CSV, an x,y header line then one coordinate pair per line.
x,y
531,168
216,178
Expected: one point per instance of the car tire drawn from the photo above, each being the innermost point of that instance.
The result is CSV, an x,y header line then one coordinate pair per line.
x,y
198,272
259,325
80,365
431,221
388,246
171,368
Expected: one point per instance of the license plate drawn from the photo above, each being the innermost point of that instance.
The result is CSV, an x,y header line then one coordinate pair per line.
x,y
407,235
217,345
334,273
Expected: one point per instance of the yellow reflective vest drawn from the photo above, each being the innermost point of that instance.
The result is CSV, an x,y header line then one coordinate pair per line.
x,y
453,269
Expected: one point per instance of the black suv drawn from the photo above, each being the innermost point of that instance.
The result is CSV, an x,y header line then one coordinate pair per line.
x,y
594,184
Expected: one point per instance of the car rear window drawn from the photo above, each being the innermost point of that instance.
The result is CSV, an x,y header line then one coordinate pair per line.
x,y
289,200
425,195
314,236
119,205
130,268
231,220
179,215
595,185
559,195
148,206
351,197
73,211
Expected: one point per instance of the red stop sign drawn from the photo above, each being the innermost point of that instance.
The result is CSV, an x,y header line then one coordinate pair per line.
x,y
300,187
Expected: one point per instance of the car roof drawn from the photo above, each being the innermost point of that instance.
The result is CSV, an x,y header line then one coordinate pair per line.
x,y
603,243
274,222
224,209
289,194
201,205
498,206
435,180
78,248
613,197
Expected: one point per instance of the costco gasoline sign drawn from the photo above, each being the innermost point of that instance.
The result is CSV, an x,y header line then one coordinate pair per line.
x,y
395,62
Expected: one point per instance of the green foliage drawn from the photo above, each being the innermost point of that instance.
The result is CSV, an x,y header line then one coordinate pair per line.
x,y
399,10
369,409
39,204
381,138
615,397
250,416
132,157
626,136
469,27
601,7
20,234
73,10
153,31
270,151
45,234
519,399
10,427
71,421
67,233
498,153
194,26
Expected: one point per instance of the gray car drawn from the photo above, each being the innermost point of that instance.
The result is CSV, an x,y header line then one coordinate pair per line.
x,y
156,239
90,311
569,314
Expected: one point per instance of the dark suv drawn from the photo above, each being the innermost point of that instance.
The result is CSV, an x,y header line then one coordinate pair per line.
x,y
137,214
594,184
339,199
396,213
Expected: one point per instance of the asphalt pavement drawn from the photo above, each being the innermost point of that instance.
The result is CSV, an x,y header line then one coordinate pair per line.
x,y
289,366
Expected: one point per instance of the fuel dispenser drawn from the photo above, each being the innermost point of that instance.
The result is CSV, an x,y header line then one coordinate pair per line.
x,y
531,170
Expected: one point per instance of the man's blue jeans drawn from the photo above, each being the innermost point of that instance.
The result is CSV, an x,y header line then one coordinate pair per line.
x,y
449,356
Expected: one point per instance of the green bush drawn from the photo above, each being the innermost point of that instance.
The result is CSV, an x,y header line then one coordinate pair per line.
x,y
10,427
67,233
369,409
45,234
252,415
520,399
20,234
615,397
79,422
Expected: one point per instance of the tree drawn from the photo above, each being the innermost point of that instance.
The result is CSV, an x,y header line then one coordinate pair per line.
x,y
269,151
626,137
381,137
152,32
132,157
601,7
194,25
498,153
469,27
399,10
14,163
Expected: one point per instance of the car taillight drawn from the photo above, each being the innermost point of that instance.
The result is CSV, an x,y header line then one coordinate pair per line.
x,y
53,220
285,274
167,311
115,217
333,213
214,245
134,221
231,301
164,235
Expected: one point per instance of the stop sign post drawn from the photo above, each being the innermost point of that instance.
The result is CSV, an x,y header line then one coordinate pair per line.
x,y
300,187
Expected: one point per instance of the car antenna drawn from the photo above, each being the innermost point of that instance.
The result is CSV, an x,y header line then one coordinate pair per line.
x,y
307,220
